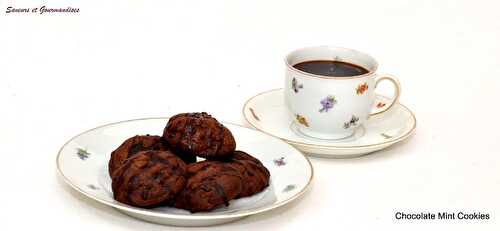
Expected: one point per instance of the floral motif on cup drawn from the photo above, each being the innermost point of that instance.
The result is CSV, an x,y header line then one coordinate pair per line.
x,y
361,88
327,103
380,105
302,120
353,122
296,86
82,153
280,161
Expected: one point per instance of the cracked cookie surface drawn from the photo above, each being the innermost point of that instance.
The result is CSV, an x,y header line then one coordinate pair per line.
x,y
149,178
199,134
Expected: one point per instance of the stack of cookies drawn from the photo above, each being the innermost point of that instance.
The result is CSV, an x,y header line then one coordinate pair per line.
x,y
150,171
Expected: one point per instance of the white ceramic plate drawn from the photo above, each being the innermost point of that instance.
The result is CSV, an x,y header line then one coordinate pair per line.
x,y
267,112
83,162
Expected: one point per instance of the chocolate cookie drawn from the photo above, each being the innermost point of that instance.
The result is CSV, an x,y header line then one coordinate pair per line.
x,y
241,155
140,143
149,178
255,174
210,185
199,134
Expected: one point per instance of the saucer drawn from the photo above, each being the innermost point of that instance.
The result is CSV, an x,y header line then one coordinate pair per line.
x,y
267,112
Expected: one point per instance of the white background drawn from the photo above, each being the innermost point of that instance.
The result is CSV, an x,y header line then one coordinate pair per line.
x,y
118,60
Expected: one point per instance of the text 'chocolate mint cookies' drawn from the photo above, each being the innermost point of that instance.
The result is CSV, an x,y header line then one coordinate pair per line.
x,y
199,134
149,178
210,184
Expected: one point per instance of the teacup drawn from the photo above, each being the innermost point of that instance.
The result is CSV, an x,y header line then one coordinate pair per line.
x,y
332,107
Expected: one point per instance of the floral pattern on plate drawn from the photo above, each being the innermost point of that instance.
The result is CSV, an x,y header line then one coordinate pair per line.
x,y
82,153
386,136
280,161
254,115
289,188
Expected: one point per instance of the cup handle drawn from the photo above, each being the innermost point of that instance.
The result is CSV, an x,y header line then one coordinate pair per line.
x,y
397,92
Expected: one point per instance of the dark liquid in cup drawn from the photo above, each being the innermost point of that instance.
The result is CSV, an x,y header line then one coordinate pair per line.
x,y
330,68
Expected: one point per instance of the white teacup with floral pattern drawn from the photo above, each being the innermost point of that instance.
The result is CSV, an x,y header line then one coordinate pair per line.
x,y
328,107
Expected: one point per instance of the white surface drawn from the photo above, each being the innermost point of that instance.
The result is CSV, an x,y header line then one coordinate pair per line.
x,y
88,173
118,60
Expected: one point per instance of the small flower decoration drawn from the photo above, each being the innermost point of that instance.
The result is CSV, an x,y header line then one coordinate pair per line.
x,y
93,187
380,105
254,115
82,153
302,120
353,122
386,136
289,188
280,161
296,86
361,88
327,103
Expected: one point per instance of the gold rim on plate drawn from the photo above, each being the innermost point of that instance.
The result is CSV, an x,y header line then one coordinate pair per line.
x,y
147,212
331,147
